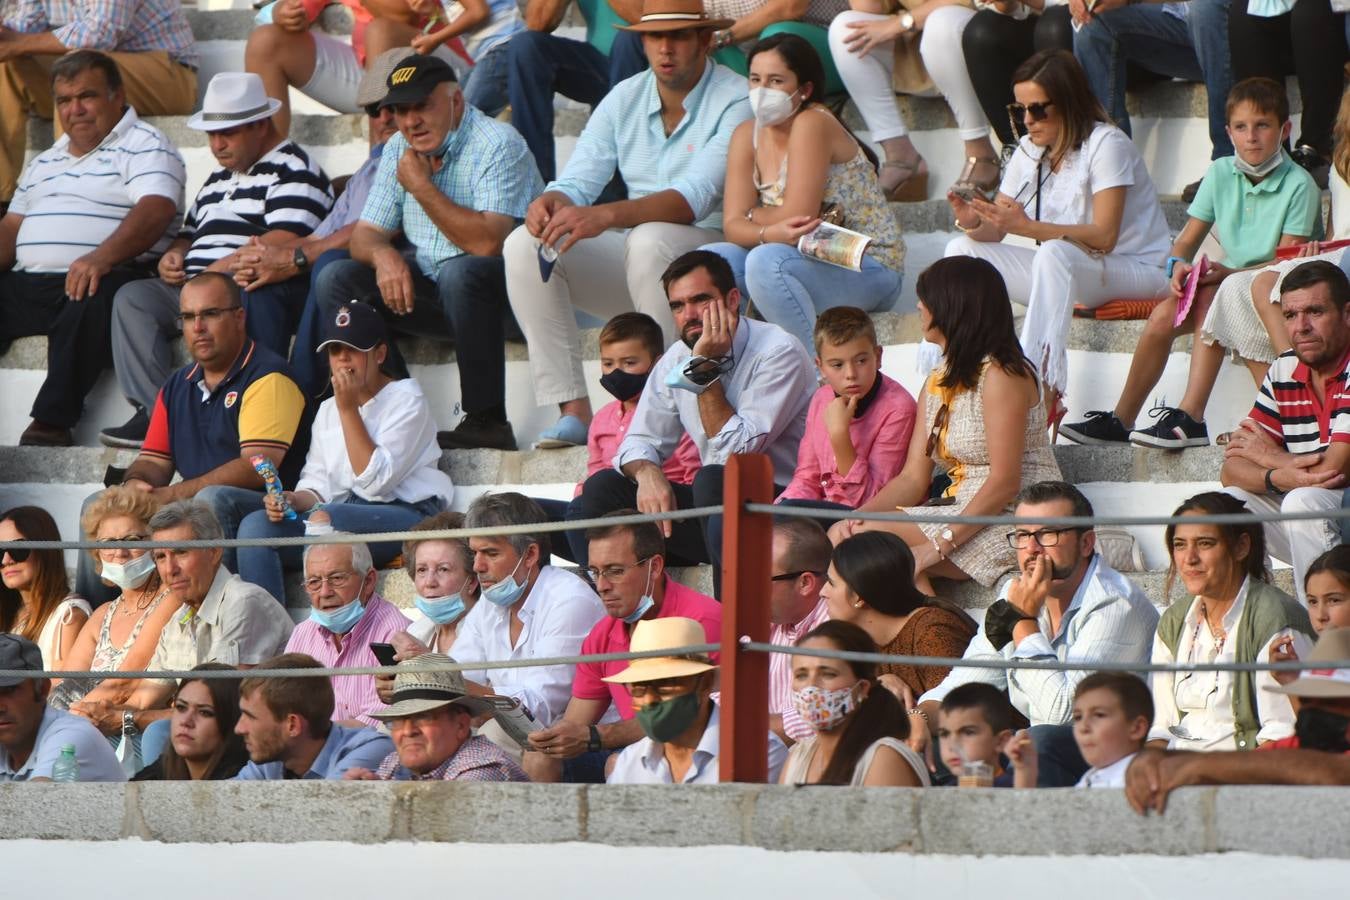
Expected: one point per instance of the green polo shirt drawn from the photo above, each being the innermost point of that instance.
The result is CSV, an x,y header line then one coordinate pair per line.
x,y
1250,218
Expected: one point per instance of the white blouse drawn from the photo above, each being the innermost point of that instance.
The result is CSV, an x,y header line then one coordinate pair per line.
x,y
49,639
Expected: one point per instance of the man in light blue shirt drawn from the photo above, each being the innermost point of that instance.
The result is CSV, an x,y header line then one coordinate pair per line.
x,y
666,131
287,727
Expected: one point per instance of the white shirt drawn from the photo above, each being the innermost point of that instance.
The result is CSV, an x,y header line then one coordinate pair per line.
x,y
769,389
404,465
1199,705
1109,620
1107,159
72,204
94,753
557,614
645,761
1112,776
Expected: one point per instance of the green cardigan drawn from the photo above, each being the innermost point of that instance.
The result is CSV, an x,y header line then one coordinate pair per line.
x,y
1267,611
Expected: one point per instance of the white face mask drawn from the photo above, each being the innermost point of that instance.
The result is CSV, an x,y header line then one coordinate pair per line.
x,y
1261,170
771,105
131,575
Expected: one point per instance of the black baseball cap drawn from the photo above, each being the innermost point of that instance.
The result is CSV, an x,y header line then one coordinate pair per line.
x,y
358,325
414,77
18,653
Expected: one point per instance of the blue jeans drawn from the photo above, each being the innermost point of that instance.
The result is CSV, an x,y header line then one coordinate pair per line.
x,y
789,289
570,545
539,65
485,87
310,368
1194,49
1059,760
263,565
153,741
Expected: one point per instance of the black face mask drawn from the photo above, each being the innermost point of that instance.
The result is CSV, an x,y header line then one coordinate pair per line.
x,y
624,385
1318,729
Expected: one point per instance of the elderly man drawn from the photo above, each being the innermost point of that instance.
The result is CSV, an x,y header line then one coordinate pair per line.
x,y
66,256
734,385
801,559
287,725
431,722
223,618
454,183
33,734
149,41
236,400
267,190
346,616
1292,453
672,701
666,131
1066,604
628,568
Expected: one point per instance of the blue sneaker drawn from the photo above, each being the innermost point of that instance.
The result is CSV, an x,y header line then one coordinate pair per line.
x,y
1174,430
568,431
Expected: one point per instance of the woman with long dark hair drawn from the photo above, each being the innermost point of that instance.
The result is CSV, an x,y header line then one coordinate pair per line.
x,y
36,601
202,744
982,425
860,727
1234,616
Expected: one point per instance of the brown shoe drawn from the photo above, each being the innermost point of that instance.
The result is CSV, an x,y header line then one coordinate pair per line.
x,y
40,434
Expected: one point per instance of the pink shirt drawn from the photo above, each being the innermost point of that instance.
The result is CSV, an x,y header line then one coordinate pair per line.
x,y
780,671
611,635
880,438
606,433
354,695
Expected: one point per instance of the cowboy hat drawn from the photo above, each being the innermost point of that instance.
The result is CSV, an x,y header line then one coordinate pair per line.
x,y
668,633
1332,648
674,15
417,690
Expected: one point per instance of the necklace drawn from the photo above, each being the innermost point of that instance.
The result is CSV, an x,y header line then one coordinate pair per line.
x,y
1216,632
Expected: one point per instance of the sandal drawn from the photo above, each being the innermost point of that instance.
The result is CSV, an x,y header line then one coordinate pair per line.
x,y
913,187
1054,414
980,178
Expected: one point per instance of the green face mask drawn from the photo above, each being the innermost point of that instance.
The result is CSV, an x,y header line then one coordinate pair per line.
x,y
669,719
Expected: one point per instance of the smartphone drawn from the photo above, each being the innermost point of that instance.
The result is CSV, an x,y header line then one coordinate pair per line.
x,y
384,653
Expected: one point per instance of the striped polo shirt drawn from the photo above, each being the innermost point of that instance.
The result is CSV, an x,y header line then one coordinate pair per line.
x,y
1287,407
285,190
72,204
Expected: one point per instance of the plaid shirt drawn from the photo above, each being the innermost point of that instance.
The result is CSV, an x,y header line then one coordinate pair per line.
x,y
127,26
477,759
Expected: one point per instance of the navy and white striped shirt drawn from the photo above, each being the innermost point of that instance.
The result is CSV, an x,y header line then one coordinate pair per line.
x,y
72,204
285,190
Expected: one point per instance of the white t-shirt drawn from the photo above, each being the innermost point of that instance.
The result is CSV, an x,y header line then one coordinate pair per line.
x,y
1107,159
1112,776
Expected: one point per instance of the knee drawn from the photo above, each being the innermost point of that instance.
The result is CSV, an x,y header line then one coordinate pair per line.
x,y
1093,38
981,35
767,261
960,246
839,30
707,485
598,488
525,50
519,244
267,44
332,284
1309,499
941,36
255,524
1055,256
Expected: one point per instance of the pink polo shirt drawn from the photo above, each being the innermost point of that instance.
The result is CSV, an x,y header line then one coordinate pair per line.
x,y
606,433
611,635
880,438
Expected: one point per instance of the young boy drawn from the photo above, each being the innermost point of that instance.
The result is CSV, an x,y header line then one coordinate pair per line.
x,y
975,722
859,422
1259,199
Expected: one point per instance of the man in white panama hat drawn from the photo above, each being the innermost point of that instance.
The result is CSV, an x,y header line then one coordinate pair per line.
x,y
431,722
673,703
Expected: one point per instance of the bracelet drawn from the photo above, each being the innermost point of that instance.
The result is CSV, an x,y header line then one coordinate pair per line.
x,y
964,230
937,548
917,712
593,745
1172,263
1270,483
761,233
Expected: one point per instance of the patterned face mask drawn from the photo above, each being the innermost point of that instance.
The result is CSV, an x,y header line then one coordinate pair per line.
x,y
824,709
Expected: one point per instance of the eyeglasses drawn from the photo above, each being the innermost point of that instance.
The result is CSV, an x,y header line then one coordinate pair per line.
x,y
1038,110
17,554
939,422
614,572
110,540
657,690
207,315
337,581
792,576
1049,537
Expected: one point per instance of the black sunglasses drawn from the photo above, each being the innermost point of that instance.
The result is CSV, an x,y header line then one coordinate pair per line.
x,y
1038,110
17,554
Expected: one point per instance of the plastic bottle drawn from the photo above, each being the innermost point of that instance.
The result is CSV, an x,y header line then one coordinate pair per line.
x,y
67,767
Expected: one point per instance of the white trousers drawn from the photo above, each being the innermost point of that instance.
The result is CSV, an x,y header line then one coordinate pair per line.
x,y
1298,542
1050,280
614,272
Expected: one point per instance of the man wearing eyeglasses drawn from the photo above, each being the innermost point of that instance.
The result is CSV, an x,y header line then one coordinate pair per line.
x,y
346,616
1067,604
628,569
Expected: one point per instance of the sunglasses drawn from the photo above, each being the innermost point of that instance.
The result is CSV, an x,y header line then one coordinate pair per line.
x,y
1038,110
939,422
17,554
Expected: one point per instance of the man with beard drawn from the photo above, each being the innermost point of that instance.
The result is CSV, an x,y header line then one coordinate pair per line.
x,y
1068,604
734,385
1292,453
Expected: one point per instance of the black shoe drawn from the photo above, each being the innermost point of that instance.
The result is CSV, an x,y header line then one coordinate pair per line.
x,y
1174,430
1318,166
130,435
1189,191
1100,427
40,434
477,431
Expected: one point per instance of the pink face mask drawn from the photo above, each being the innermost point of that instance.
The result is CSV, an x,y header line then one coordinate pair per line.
x,y
824,709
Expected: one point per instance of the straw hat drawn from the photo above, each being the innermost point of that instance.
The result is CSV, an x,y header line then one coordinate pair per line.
x,y
664,634
232,99
417,690
374,83
1333,647
674,15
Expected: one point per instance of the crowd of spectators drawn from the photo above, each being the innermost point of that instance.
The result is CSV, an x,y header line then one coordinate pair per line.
x,y
682,217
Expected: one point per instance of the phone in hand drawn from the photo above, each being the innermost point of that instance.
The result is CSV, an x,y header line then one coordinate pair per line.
x,y
384,653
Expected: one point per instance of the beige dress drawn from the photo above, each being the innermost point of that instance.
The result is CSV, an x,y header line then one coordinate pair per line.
x,y
963,453
799,761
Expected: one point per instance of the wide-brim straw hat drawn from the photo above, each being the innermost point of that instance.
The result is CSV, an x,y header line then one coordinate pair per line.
x,y
674,15
233,99
667,633
417,690
1332,647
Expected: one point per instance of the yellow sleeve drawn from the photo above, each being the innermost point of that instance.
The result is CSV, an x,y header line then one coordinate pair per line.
x,y
270,412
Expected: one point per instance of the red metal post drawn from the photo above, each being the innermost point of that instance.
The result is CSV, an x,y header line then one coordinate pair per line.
x,y
747,549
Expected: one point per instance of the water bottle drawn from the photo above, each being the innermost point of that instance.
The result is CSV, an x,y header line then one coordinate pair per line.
x,y
67,767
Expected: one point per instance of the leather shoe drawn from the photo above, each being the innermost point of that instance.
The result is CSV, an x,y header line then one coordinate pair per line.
x,y
40,434
476,431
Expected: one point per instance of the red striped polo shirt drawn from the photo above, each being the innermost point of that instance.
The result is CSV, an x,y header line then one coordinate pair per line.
x,y
1287,407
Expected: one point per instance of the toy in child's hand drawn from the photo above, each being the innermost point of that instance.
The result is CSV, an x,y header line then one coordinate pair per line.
x,y
272,482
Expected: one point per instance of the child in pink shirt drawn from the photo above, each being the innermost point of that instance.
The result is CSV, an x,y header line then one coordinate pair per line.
x,y
859,422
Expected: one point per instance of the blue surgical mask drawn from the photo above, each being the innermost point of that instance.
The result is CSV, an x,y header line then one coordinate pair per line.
x,y
341,620
441,610
646,603
130,575
507,591
677,379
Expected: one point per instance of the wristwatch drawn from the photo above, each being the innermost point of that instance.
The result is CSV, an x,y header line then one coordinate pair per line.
x,y
300,260
129,722
907,21
593,745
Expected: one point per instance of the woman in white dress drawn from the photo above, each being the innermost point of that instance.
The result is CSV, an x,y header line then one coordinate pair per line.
x,y
36,602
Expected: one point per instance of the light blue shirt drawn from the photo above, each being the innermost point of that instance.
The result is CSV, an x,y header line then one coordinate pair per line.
x,y
625,131
645,761
348,207
95,755
769,387
346,748
487,168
